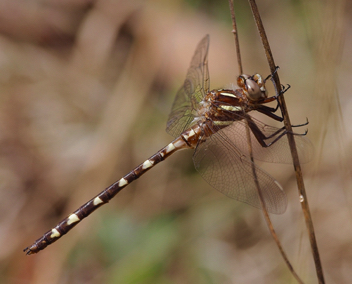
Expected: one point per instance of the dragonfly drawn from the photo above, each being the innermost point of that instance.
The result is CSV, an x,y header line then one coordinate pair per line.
x,y
214,124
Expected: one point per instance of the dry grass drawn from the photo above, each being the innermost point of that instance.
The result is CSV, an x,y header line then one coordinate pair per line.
x,y
85,93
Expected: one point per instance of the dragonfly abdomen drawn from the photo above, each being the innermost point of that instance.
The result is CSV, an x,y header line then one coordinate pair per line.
x,y
105,196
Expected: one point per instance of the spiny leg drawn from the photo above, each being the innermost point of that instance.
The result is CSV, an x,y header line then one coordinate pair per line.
x,y
259,135
271,75
269,111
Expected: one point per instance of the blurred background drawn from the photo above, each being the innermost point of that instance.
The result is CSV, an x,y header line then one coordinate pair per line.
x,y
86,88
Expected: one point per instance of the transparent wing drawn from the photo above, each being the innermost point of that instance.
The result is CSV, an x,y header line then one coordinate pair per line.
x,y
230,172
195,87
278,152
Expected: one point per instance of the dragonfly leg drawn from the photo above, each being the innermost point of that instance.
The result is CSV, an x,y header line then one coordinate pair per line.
x,y
300,125
279,133
284,89
274,98
271,75
284,133
269,111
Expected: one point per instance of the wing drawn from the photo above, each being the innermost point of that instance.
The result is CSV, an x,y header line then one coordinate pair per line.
x,y
195,87
231,173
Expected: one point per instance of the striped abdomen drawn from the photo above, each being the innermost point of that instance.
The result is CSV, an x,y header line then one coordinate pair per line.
x,y
187,139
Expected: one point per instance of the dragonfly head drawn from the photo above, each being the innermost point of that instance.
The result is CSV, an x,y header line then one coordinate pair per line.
x,y
253,86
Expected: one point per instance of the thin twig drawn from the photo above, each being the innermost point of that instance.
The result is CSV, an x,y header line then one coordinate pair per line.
x,y
235,35
297,166
266,214
265,211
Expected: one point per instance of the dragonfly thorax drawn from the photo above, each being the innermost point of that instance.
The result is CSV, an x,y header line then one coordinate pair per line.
x,y
221,108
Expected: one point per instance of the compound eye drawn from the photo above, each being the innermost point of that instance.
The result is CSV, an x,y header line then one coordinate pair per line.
x,y
259,79
241,80
253,89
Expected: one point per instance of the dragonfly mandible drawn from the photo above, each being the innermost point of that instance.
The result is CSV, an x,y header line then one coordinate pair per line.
x,y
214,124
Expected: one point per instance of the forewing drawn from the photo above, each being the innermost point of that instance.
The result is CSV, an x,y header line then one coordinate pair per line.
x,y
230,172
193,90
